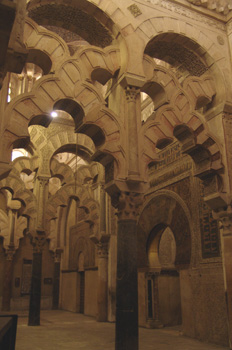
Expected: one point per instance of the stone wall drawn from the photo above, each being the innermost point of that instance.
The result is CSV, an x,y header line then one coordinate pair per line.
x,y
203,304
197,296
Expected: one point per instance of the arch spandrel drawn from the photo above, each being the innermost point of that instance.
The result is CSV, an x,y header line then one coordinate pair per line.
x,y
165,208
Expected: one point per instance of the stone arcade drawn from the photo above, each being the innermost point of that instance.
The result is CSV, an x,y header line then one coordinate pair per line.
x,y
116,163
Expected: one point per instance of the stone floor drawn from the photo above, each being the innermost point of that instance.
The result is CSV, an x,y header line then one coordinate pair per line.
x,y
61,330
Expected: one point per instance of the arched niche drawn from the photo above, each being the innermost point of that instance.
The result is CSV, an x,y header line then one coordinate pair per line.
x,y
164,209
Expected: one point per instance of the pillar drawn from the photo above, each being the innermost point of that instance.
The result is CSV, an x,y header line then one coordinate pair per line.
x,y
225,220
35,295
56,280
38,241
7,283
127,284
102,288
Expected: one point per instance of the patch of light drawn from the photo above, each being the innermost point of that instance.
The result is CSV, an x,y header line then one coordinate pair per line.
x,y
16,153
54,114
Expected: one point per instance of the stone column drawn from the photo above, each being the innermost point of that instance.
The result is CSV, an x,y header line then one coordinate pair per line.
x,y
127,284
38,241
225,220
102,288
56,280
35,295
7,283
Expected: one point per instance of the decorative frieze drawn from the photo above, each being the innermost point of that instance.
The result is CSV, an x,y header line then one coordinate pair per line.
x,y
187,12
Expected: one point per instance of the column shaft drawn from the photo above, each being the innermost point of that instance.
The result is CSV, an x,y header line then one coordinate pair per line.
x,y
35,295
56,286
7,284
102,288
127,287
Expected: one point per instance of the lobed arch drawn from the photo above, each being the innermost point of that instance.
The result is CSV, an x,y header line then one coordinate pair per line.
x,y
99,64
62,171
165,209
25,165
180,118
165,31
108,134
63,195
16,186
18,233
93,171
45,48
193,134
46,93
162,84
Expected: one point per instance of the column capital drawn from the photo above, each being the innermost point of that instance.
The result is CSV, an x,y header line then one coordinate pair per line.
x,y
38,241
102,250
131,93
57,255
10,252
128,205
43,180
224,216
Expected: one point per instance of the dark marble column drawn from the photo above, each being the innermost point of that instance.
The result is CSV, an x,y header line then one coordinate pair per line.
x,y
102,288
127,287
35,295
127,284
56,281
7,283
225,221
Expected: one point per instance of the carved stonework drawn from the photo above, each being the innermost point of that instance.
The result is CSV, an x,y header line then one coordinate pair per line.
x,y
102,250
10,252
38,242
227,122
183,11
135,10
131,93
73,19
225,219
57,255
172,52
128,205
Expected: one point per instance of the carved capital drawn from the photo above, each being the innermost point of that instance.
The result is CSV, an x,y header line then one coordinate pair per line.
x,y
128,205
38,242
131,93
224,216
43,180
102,250
57,255
10,252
